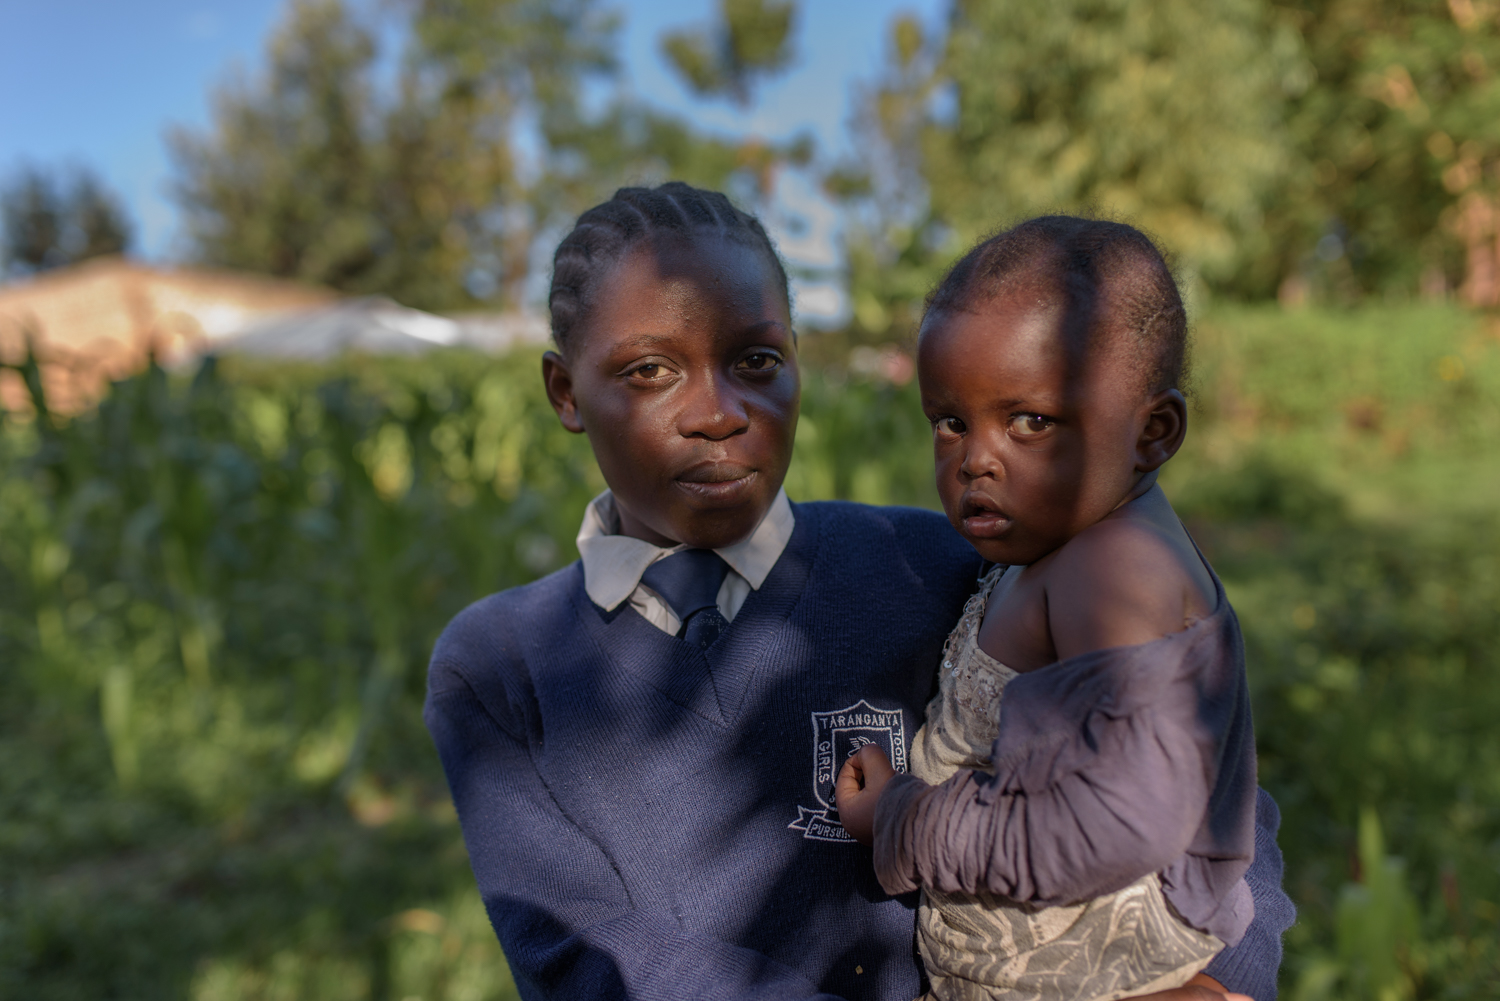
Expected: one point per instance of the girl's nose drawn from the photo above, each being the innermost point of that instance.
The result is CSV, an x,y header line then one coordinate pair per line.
x,y
715,409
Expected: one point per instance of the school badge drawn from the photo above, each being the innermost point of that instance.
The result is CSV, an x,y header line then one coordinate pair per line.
x,y
836,736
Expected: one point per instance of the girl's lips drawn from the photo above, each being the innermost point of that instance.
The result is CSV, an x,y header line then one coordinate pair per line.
x,y
718,492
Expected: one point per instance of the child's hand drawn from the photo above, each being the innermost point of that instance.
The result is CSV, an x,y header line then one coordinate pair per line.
x,y
858,789
1201,988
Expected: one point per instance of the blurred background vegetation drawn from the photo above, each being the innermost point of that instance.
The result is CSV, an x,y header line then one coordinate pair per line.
x,y
218,590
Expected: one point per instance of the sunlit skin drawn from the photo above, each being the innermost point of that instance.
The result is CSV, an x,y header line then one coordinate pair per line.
x,y
684,377
1046,446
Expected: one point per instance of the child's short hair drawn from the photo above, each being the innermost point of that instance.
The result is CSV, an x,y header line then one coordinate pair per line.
x,y
1083,261
605,232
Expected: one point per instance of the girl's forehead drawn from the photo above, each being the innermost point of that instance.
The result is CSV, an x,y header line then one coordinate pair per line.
x,y
708,267
706,286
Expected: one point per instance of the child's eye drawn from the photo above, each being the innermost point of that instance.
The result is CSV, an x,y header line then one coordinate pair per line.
x,y
760,361
1026,425
650,370
949,426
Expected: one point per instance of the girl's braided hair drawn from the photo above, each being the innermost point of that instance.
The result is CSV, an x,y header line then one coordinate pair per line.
x,y
605,232
1108,274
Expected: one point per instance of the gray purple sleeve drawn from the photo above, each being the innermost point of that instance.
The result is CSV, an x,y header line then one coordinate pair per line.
x,y
1108,766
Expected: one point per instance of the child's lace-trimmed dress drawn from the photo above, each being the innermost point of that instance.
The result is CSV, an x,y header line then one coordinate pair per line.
x,y
982,946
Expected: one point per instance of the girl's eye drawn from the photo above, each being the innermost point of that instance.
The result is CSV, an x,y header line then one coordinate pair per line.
x,y
761,361
650,370
1027,425
949,426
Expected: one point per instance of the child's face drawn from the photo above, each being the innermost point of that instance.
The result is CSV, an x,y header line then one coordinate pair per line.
x,y
684,376
1037,433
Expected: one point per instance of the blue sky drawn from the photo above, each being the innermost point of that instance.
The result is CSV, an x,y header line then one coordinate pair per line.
x,y
99,82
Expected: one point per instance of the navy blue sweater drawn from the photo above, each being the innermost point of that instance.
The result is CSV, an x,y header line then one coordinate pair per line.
x,y
650,821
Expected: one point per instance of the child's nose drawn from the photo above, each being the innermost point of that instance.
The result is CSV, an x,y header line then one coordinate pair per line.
x,y
981,458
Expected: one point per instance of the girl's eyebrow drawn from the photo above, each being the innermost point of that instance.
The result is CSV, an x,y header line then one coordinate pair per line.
x,y
644,341
762,325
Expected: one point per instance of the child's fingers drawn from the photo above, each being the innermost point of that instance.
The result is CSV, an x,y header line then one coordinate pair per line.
x,y
850,781
874,766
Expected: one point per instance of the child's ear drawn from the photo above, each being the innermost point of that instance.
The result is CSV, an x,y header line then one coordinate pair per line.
x,y
559,383
1164,431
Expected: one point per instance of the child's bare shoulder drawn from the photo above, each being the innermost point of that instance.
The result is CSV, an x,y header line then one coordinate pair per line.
x,y
1128,579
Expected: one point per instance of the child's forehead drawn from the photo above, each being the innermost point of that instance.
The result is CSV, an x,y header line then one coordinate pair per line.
x,y
1023,322
1035,334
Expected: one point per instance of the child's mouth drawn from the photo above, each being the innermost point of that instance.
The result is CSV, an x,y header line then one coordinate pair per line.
x,y
982,520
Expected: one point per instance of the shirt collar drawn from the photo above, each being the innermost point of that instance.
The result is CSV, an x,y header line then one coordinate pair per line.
x,y
613,563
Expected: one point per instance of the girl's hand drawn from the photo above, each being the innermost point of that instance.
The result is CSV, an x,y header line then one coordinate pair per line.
x,y
858,789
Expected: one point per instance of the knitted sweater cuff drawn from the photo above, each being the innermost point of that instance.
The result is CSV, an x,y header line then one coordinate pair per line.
x,y
1250,967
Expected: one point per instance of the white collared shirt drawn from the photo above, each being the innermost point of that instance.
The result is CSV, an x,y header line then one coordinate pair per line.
x,y
613,563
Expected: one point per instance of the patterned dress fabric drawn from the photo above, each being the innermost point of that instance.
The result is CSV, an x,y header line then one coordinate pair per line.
x,y
981,946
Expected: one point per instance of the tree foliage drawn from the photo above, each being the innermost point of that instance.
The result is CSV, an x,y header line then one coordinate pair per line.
x,y
1164,113
1325,148
426,193
1398,152
313,173
748,41
48,222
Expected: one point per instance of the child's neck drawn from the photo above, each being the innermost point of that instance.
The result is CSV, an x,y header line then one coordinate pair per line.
x,y
1143,486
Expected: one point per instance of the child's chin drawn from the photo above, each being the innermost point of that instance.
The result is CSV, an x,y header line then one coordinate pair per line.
x,y
1003,551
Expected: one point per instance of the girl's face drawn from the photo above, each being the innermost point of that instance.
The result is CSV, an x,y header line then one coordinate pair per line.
x,y
1037,432
684,376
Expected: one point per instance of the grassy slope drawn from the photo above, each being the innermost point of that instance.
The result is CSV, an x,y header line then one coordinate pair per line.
x,y
216,602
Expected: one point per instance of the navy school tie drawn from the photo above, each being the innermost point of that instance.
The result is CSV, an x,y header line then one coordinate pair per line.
x,y
689,581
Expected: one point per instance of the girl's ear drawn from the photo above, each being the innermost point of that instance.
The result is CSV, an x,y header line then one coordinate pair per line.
x,y
559,383
1164,431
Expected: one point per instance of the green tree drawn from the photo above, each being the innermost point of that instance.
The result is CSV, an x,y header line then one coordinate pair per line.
x,y
286,180
749,40
315,173
46,222
1164,113
1400,157
1169,115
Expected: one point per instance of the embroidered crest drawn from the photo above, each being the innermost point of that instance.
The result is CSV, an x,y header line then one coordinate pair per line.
x,y
836,736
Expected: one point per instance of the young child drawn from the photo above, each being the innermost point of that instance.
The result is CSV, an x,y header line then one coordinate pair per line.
x,y
1080,807
646,809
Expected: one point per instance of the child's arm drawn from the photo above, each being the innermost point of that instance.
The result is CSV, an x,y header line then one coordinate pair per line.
x,y
1104,764
1069,813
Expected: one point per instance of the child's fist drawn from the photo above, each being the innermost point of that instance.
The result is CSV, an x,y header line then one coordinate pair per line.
x,y
858,789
